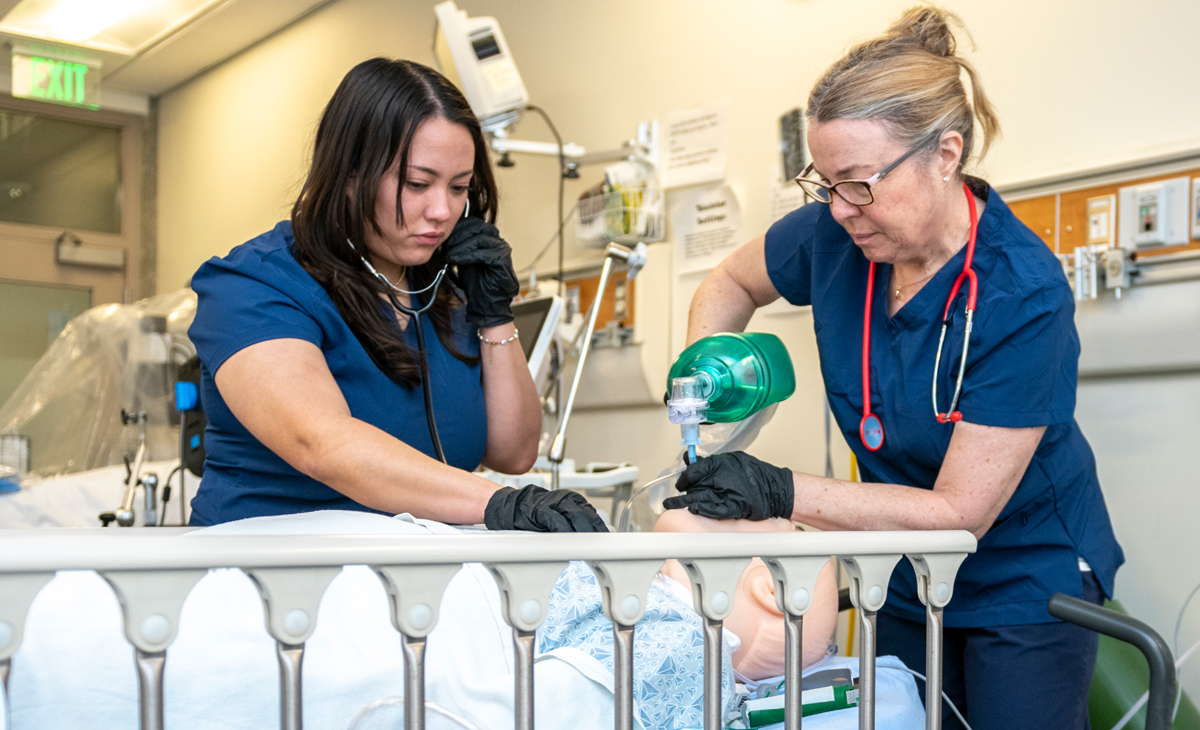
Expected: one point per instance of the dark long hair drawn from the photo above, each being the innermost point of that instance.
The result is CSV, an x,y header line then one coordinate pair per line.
x,y
371,119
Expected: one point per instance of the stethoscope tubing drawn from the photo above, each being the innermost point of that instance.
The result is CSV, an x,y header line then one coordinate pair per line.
x,y
870,428
423,353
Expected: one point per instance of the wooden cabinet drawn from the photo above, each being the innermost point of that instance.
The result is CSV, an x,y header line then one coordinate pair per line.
x,y
1041,215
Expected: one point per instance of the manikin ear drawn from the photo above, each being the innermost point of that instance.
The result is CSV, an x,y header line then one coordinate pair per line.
x,y
760,589
948,154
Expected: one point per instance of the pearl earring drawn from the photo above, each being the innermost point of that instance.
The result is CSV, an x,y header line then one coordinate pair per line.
x,y
946,179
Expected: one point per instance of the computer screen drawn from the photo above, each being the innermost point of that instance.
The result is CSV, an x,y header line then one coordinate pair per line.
x,y
536,320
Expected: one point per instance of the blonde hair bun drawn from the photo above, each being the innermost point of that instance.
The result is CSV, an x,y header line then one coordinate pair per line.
x,y
910,79
927,27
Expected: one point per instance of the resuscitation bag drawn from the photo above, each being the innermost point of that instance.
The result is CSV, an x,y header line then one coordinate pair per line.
x,y
742,373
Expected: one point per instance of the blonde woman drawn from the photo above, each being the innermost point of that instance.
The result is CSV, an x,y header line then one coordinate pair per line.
x,y
900,250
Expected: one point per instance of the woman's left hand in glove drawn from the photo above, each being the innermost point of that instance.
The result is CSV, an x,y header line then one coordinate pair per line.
x,y
734,486
485,271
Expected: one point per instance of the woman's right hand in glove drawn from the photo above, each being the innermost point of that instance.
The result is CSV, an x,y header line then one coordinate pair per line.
x,y
540,510
734,486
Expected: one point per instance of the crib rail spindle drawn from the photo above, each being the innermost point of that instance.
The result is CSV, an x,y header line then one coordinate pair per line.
x,y
935,587
524,595
17,591
151,601
795,580
414,596
714,584
623,588
869,577
291,598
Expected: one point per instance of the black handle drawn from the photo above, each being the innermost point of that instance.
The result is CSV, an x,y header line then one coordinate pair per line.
x,y
1132,631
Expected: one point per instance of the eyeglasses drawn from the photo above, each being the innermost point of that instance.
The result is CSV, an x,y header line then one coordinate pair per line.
x,y
854,192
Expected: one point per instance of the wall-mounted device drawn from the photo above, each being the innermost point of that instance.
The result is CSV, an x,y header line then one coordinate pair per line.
x,y
473,54
1155,214
1196,207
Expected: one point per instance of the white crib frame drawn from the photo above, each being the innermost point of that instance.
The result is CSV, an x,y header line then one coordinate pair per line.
x,y
152,572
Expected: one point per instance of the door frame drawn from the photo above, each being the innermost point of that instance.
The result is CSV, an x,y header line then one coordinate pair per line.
x,y
41,265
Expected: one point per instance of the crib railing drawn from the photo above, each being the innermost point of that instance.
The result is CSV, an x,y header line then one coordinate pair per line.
x,y
152,574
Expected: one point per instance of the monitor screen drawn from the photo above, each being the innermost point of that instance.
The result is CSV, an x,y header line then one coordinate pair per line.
x,y
536,320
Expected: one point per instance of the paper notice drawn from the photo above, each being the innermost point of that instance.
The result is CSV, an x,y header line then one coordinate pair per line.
x,y
708,225
786,195
694,145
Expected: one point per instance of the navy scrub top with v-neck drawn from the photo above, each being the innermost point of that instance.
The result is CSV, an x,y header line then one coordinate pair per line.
x,y
1021,372
260,292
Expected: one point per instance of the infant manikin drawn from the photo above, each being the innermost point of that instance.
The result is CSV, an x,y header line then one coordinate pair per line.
x,y
756,620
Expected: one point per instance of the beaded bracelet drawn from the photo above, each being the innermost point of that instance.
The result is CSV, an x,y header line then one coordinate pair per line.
x,y
515,336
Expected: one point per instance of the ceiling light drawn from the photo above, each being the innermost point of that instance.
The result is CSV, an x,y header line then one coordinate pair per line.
x,y
115,26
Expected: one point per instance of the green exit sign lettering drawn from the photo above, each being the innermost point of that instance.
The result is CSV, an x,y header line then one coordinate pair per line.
x,y
55,80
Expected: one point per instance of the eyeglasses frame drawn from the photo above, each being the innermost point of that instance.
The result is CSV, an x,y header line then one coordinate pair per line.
x,y
869,182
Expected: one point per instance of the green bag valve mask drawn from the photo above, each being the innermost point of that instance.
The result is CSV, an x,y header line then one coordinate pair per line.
x,y
725,378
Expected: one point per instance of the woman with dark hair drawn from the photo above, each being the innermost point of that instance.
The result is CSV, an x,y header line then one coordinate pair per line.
x,y
319,370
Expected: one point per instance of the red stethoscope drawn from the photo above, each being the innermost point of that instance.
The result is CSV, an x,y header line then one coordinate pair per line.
x,y
870,429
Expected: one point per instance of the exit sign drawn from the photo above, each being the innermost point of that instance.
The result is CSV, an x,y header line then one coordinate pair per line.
x,y
55,80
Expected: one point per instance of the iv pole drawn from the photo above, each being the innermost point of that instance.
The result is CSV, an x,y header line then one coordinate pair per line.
x,y
635,258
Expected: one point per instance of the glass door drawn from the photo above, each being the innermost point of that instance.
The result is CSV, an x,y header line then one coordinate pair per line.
x,y
33,316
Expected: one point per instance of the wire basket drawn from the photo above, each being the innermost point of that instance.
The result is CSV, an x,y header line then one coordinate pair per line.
x,y
624,215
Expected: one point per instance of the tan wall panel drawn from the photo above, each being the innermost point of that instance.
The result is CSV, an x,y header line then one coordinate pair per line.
x,y
1039,215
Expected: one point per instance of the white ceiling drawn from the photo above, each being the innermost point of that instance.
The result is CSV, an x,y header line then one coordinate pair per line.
x,y
227,29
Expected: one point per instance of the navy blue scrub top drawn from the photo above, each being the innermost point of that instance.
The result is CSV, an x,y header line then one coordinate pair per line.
x,y
260,292
1021,371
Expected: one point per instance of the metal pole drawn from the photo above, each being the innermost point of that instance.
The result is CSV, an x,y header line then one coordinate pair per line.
x,y
150,689
414,682
291,708
793,666
558,446
933,668
523,646
623,676
712,675
866,671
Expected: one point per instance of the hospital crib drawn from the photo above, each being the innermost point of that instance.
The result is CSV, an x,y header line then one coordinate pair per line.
x,y
152,575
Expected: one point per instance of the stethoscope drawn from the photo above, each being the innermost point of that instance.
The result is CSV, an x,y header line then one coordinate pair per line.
x,y
870,429
416,317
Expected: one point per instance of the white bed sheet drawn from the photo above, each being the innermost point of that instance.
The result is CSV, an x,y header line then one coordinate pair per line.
x,y
76,500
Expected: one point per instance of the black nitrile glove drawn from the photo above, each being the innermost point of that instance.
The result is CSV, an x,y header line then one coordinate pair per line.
x,y
485,271
734,486
540,510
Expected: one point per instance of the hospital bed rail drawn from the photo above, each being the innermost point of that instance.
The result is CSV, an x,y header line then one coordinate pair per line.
x,y
152,574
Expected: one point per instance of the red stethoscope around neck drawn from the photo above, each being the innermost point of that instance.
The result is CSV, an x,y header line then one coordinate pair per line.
x,y
870,429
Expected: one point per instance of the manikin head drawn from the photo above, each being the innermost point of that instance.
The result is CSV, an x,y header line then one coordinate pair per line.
x,y
756,619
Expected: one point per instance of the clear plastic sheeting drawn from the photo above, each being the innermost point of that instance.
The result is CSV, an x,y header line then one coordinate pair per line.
x,y
108,359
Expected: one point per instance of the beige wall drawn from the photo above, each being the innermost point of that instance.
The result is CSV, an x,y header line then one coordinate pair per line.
x,y
1077,85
